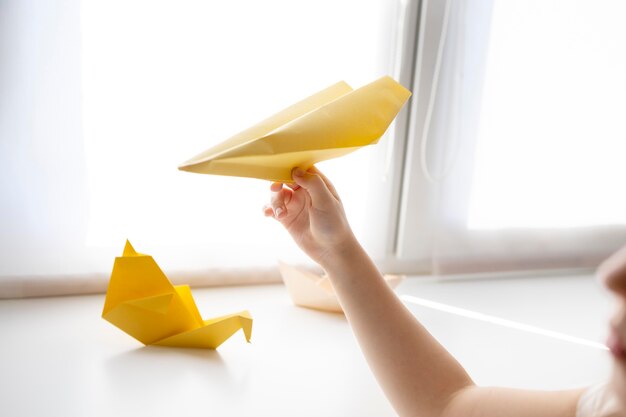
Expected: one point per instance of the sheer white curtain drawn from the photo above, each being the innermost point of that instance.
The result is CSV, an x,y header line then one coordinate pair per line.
x,y
517,148
102,100
42,165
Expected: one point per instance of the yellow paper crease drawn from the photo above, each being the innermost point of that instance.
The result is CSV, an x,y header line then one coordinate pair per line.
x,y
328,124
142,302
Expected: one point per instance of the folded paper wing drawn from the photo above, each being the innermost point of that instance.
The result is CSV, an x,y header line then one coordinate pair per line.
x,y
212,333
329,124
311,290
142,302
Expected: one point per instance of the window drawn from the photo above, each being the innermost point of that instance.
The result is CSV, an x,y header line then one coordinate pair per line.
x,y
173,79
516,139
507,157
103,100
552,134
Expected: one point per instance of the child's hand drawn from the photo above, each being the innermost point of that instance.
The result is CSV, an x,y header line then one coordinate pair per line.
x,y
312,213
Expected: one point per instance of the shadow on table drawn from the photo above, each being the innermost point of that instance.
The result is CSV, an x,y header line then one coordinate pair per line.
x,y
150,364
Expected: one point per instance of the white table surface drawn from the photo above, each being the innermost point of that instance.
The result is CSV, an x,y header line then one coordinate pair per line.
x,y
59,358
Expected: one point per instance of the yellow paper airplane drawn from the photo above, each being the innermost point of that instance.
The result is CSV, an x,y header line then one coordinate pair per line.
x,y
329,124
142,302
311,290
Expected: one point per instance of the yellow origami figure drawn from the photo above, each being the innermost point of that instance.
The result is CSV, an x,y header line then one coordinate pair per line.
x,y
142,302
329,124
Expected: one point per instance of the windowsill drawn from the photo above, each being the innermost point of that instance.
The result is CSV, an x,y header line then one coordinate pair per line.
x,y
57,285
59,355
548,309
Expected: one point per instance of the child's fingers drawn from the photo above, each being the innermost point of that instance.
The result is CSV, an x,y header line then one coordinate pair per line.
x,y
279,200
320,194
287,195
293,186
329,184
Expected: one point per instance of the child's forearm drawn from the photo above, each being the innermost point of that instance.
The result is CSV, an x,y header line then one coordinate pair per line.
x,y
417,374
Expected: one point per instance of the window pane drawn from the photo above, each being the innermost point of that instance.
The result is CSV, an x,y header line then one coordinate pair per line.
x,y
165,80
552,133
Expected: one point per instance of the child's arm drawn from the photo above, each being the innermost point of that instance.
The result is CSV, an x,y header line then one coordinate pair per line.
x,y
417,374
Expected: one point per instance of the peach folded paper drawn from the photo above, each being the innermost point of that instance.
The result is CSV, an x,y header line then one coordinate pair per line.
x,y
142,302
331,123
310,290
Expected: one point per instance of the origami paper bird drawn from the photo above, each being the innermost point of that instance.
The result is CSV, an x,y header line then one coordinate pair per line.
x,y
329,124
310,290
142,302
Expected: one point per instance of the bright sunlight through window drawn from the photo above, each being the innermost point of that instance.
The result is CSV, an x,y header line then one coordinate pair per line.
x,y
165,80
552,136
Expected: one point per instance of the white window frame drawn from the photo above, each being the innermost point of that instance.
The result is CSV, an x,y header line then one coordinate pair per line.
x,y
411,196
